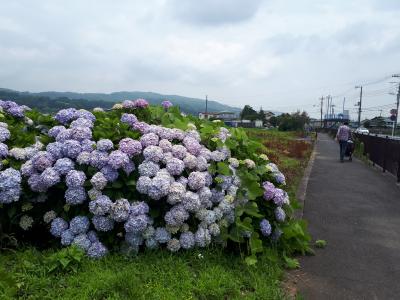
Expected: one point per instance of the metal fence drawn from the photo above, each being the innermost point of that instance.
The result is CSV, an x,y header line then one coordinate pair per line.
x,y
380,150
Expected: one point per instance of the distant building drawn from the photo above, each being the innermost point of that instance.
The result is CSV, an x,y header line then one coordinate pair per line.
x,y
380,122
244,123
223,115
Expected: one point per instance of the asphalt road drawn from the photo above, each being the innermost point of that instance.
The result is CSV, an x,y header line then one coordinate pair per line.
x,y
356,209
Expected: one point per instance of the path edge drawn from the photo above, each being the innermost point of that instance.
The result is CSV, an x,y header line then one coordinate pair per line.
x,y
301,191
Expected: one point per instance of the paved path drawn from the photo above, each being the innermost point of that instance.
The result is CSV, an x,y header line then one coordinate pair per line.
x,y
356,209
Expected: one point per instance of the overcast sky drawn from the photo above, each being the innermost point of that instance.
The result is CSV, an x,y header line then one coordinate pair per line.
x,y
277,54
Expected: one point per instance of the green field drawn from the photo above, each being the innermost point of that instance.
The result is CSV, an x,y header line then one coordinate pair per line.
x,y
209,274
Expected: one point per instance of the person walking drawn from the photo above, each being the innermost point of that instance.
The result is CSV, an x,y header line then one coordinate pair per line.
x,y
343,134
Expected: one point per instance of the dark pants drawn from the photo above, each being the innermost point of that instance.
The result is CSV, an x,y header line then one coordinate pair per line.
x,y
343,145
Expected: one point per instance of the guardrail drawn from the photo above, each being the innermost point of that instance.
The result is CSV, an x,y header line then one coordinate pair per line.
x,y
383,151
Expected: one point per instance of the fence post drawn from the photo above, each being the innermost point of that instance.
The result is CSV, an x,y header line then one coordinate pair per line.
x,y
384,154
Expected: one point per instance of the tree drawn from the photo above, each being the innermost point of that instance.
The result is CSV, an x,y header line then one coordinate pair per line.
x,y
248,113
261,116
293,122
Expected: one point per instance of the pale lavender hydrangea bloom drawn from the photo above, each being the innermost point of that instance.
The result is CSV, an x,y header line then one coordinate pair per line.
x,y
87,145
192,145
129,168
265,227
217,156
94,194
75,195
158,187
65,115
187,240
49,216
136,223
83,158
130,147
175,166
214,229
165,145
182,180
139,208
206,153
10,179
141,103
202,164
153,153
98,159
176,193
98,181
79,224
58,226
97,250
149,139
64,165
205,195
173,245
280,214
83,113
101,205
42,160
54,131
64,135
166,104
102,223
140,126
50,177
120,210
280,178
128,104
118,159
81,122
142,184
279,197
193,134
179,151
176,216
148,168
82,241
269,190
75,178
202,237
81,133
55,149
177,134
190,161
104,145
92,236
71,148
162,235
129,119
109,173
191,201
196,180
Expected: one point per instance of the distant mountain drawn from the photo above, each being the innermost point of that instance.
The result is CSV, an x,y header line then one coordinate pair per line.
x,y
47,101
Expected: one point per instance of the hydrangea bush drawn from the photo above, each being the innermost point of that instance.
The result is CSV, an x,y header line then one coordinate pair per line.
x,y
139,176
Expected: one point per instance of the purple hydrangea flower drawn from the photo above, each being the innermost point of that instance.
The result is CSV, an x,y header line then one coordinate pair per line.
x,y
142,184
58,226
129,119
192,145
54,131
129,168
140,103
82,113
42,160
98,181
71,148
202,164
16,111
36,184
265,227
191,201
202,237
279,197
75,178
166,104
109,173
81,133
81,122
128,104
175,166
165,145
153,153
217,156
101,205
87,145
75,195
187,240
182,180
98,159
65,115
104,145
64,165
79,224
55,149
3,150
158,187
190,161
82,241
179,151
64,135
196,180
49,177
140,126
97,250
139,208
269,190
27,169
148,168
103,223
280,178
176,193
149,139
176,216
118,159
177,134
130,147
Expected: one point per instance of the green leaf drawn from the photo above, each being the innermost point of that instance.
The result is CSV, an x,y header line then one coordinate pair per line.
x,y
291,263
223,168
320,243
64,262
256,245
251,260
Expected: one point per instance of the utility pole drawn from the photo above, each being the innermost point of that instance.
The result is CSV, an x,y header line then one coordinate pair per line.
x,y
322,104
397,105
206,108
344,100
359,104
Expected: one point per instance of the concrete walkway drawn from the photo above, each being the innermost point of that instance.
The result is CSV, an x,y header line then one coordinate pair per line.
x,y
356,209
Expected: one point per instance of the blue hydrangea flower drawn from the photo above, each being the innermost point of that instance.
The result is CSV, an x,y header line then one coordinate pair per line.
x,y
92,236
55,149
196,180
142,184
98,159
129,168
83,158
3,150
151,243
265,227
64,165
87,145
118,159
79,224
161,235
109,173
42,160
148,168
54,131
176,216
104,145
4,134
202,237
75,195
175,166
103,223
130,147
120,210
50,177
67,237
65,115
187,240
129,119
97,250
165,145
101,205
134,239
139,208
83,113
279,197
166,104
82,241
81,122
176,193
153,153
191,201
81,133
149,139
179,151
58,226
190,161
136,223
159,187
280,214
75,178
98,181
192,145
71,148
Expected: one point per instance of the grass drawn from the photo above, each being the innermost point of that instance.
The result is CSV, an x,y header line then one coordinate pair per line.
x,y
209,274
